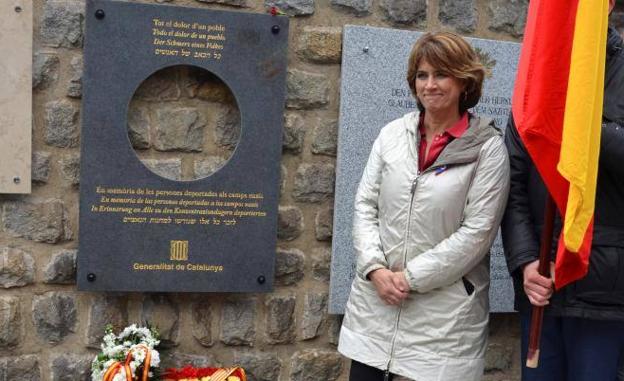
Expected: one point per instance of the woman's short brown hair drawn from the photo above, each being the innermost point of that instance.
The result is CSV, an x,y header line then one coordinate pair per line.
x,y
451,54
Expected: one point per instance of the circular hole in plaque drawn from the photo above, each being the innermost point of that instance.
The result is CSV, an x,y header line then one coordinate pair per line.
x,y
183,123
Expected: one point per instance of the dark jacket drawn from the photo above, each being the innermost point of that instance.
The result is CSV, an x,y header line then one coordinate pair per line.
x,y
600,295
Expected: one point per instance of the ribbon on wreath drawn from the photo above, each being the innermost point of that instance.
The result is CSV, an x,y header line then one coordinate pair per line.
x,y
116,366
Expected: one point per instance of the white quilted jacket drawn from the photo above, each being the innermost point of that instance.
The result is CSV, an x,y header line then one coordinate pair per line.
x,y
437,226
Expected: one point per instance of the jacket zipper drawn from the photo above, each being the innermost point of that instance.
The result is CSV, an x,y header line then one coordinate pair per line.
x,y
396,323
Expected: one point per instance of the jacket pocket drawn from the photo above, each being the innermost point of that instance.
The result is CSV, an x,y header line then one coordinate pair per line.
x,y
604,282
468,286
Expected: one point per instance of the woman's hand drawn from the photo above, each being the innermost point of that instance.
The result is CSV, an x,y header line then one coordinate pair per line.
x,y
538,288
390,287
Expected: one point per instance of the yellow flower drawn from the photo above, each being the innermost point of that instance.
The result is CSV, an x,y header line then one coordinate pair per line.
x,y
233,378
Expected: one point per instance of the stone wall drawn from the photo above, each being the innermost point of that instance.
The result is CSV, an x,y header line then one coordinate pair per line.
x,y
50,331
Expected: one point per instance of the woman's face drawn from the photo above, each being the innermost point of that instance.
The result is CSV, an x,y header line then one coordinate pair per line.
x,y
437,91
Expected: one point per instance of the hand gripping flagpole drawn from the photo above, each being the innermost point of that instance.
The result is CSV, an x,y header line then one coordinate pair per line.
x,y
537,314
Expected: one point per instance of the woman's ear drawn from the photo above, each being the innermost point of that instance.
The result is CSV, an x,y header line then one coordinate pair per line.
x,y
611,5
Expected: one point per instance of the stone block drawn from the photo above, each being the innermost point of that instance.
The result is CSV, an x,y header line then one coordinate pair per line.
x,y
321,44
283,178
314,182
234,3
405,11
288,266
71,367
238,322
160,86
206,86
228,127
498,357
74,87
325,137
104,310
335,323
62,24
70,168
39,221
305,90
208,166
54,316
138,127
161,311
167,168
292,7
321,262
280,323
259,366
459,14
314,315
294,133
17,267
61,124
45,70
62,268
358,7
10,321
314,365
20,368
40,167
289,223
324,224
201,313
508,16
178,129
172,358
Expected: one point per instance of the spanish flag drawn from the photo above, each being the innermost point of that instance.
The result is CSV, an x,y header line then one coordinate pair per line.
x,y
557,108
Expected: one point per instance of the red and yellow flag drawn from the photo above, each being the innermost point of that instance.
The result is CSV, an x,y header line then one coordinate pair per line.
x,y
557,108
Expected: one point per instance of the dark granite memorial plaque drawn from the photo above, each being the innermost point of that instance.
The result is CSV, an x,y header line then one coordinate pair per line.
x,y
374,92
140,231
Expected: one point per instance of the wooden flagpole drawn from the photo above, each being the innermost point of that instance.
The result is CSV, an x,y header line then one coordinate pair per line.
x,y
537,315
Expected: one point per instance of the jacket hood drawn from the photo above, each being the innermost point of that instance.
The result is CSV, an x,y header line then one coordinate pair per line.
x,y
464,149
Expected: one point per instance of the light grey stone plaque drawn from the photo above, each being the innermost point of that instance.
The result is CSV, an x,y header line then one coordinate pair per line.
x,y
374,92
16,25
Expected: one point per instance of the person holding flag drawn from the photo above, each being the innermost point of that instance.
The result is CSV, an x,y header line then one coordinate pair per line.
x,y
565,142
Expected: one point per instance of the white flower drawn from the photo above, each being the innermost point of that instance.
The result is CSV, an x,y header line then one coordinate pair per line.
x,y
121,376
155,359
97,375
138,353
133,340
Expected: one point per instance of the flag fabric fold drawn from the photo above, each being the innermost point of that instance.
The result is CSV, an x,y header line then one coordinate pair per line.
x,y
557,108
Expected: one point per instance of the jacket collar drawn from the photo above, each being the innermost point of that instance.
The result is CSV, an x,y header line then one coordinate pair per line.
x,y
464,149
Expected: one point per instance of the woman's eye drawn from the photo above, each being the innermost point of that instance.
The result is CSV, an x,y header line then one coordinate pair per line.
x,y
421,76
441,75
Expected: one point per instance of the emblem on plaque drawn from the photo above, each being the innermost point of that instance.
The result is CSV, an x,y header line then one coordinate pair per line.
x,y
179,251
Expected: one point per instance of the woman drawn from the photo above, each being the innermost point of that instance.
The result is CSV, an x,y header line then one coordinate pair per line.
x,y
426,213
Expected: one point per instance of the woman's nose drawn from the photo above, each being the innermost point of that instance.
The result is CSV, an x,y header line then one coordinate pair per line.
x,y
430,82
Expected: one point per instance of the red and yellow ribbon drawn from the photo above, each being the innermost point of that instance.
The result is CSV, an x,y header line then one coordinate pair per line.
x,y
116,366
215,374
